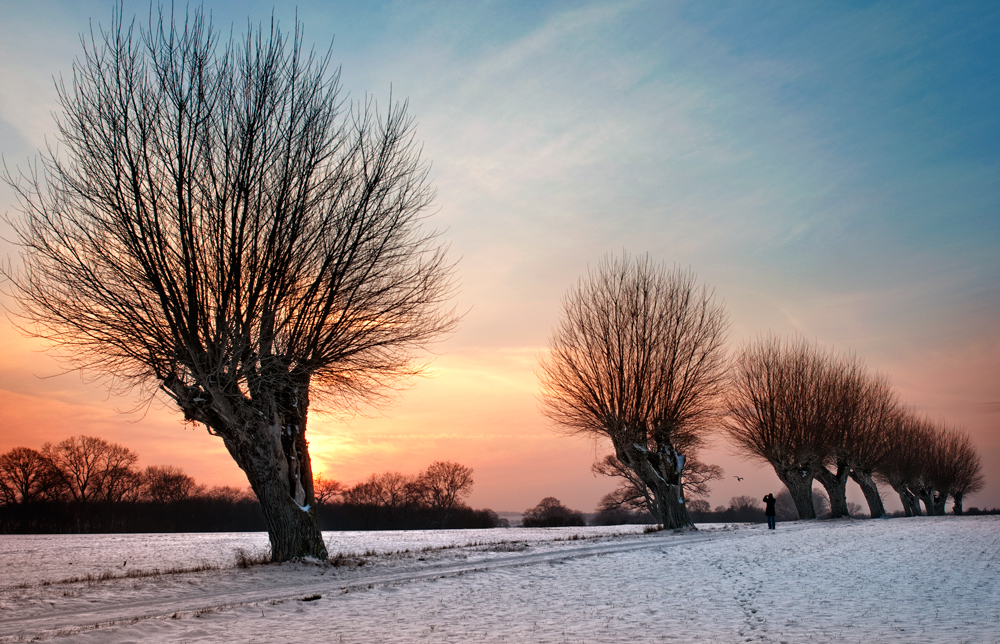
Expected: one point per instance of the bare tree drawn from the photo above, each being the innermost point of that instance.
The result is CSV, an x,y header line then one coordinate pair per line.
x,y
325,490
842,389
968,477
121,479
27,475
699,505
445,484
856,431
638,359
168,484
954,470
92,469
216,224
779,406
912,439
870,441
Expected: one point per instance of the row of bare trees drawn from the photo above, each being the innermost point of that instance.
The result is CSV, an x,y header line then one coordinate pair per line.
x,y
816,415
638,359
86,469
937,463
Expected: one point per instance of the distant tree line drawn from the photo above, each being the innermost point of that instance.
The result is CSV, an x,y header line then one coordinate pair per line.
x,y
85,484
432,499
551,513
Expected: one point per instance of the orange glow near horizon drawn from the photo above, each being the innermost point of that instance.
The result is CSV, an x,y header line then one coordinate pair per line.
x,y
477,407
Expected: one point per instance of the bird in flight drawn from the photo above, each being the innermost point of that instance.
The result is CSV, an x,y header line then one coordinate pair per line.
x,y
738,478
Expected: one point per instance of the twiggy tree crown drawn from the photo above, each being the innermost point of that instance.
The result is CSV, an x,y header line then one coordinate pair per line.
x,y
639,350
218,213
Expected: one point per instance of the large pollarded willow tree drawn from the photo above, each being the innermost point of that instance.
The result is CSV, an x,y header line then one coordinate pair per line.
x,y
779,404
218,224
639,359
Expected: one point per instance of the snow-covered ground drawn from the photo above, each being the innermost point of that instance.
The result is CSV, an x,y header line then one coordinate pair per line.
x,y
902,580
35,558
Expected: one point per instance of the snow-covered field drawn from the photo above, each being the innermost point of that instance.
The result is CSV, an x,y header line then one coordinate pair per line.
x,y
902,580
36,558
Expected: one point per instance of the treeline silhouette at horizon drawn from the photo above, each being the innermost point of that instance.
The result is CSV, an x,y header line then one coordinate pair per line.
x,y
88,485
85,484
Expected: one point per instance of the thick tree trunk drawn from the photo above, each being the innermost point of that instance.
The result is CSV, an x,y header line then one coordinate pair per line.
x,y
926,497
293,529
911,505
866,482
836,488
957,508
284,488
939,500
661,473
675,513
799,482
265,435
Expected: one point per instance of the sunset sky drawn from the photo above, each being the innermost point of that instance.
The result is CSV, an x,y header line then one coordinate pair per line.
x,y
833,172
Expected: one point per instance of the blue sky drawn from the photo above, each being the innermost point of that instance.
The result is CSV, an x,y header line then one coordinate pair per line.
x,y
830,168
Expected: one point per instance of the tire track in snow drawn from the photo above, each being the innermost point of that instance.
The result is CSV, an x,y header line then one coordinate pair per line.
x,y
109,612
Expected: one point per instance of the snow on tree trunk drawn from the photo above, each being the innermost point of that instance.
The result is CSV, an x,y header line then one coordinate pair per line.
x,y
661,472
281,477
799,483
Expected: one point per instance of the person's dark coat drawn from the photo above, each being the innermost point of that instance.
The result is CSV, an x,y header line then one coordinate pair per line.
x,y
769,501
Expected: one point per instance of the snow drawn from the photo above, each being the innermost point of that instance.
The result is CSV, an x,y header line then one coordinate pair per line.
x,y
34,559
927,579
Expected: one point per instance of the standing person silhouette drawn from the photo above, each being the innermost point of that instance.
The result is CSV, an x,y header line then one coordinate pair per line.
x,y
769,510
